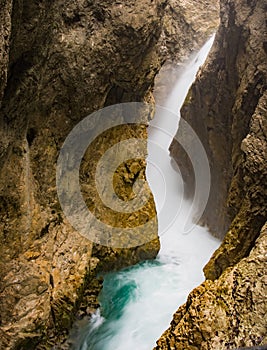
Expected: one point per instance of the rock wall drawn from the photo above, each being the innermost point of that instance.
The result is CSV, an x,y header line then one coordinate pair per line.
x,y
5,30
227,313
221,107
65,60
61,61
227,108
187,25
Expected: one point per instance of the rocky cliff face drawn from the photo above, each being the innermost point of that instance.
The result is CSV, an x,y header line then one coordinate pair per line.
x,y
61,61
5,30
64,60
225,314
227,108
187,25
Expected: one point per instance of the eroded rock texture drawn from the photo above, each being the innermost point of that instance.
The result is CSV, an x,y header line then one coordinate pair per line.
x,y
227,106
65,59
5,30
227,313
59,62
187,25
224,106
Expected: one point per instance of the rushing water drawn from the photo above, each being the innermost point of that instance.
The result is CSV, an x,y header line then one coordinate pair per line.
x,y
137,303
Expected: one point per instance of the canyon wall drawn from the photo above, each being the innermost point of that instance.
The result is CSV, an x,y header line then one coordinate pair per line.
x,y
5,30
64,61
227,106
61,61
187,25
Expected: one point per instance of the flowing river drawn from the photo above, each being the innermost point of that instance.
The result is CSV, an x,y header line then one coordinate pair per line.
x,y
137,303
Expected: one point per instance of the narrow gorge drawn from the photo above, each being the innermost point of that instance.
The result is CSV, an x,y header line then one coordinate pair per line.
x,y
60,64
227,107
137,303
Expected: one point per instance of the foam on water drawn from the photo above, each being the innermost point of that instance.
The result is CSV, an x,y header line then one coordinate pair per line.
x,y
137,304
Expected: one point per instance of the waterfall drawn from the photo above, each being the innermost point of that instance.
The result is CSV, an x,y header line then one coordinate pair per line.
x,y
137,303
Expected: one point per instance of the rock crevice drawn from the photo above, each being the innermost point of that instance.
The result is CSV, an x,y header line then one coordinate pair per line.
x,y
59,62
227,108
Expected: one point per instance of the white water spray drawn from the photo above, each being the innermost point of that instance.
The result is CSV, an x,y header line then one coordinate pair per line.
x,y
139,302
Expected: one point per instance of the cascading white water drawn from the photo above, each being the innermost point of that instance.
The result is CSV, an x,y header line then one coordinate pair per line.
x,y
137,303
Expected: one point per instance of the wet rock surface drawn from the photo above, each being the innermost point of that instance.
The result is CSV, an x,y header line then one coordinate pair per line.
x,y
64,60
59,62
227,108
221,106
227,313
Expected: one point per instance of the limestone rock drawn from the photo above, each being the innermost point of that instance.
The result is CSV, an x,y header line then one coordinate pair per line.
x,y
227,313
187,25
227,106
224,106
66,60
61,61
5,31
